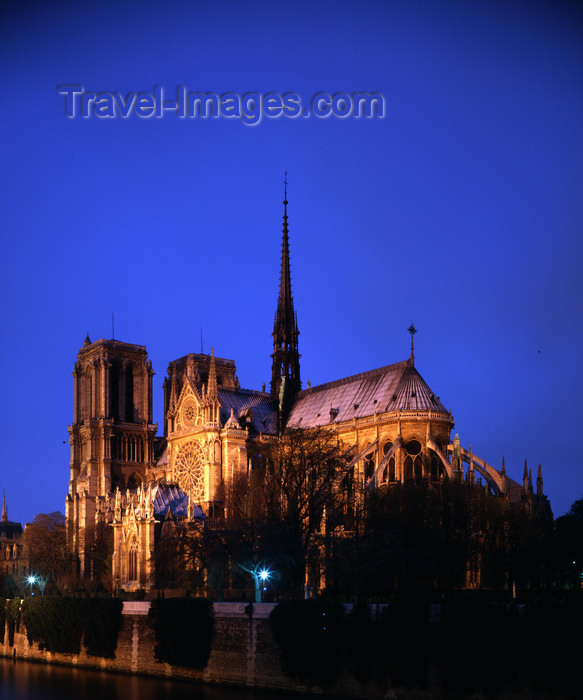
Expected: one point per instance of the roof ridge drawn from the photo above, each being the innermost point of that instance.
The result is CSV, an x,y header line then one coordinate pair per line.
x,y
251,392
355,377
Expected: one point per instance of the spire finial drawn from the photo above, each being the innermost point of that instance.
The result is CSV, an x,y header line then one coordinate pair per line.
x,y
4,512
412,330
285,204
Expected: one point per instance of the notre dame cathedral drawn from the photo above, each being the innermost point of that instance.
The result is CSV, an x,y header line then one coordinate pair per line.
x,y
124,475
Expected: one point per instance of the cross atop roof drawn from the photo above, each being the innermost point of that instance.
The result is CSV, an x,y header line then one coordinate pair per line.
x,y
412,330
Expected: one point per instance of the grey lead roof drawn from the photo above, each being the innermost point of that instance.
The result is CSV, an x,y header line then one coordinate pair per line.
x,y
173,497
391,388
253,409
170,496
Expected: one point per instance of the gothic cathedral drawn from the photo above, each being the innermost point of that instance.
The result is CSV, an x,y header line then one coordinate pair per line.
x,y
125,476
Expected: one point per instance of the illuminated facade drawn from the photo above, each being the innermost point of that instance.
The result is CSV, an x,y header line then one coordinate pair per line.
x,y
393,426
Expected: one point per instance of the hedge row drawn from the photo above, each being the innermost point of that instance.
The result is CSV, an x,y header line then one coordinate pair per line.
x,y
60,624
317,641
184,627
484,648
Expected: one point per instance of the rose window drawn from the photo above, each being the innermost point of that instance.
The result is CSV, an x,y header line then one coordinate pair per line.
x,y
189,470
190,413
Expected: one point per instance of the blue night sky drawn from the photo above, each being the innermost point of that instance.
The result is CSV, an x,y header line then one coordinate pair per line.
x,y
461,210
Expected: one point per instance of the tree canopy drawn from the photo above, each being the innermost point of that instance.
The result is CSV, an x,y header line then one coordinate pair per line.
x,y
45,544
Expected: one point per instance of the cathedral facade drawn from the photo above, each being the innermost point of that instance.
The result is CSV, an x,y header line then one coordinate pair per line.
x,y
125,476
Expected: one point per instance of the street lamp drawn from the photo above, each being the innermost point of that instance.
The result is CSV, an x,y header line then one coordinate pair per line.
x,y
31,580
263,577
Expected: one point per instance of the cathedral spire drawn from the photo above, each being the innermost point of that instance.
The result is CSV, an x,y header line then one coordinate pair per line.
x,y
4,512
539,482
285,369
285,304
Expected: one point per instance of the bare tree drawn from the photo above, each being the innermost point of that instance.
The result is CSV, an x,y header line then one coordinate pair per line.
x,y
303,485
45,543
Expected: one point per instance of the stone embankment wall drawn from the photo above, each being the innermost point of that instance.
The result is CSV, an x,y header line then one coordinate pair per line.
x,y
243,652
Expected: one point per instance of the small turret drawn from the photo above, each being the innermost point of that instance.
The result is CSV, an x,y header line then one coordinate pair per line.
x,y
212,391
504,478
211,395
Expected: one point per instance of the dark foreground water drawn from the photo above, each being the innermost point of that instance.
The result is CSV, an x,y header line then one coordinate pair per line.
x,y
25,680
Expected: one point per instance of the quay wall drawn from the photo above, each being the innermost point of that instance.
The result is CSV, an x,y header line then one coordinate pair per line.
x,y
243,653
507,652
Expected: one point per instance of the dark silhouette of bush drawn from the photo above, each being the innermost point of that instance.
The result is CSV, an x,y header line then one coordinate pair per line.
x,y
102,621
402,644
359,630
184,629
309,636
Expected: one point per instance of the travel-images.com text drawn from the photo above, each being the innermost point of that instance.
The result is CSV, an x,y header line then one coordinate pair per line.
x,y
249,108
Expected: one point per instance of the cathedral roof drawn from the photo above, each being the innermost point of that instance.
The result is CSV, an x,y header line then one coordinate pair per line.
x,y
9,530
173,497
397,387
253,409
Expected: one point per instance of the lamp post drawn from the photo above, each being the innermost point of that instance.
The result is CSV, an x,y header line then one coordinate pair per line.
x,y
263,577
260,575
31,580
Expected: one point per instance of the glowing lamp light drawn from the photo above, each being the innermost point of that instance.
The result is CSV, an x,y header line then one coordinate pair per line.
x,y
31,580
264,575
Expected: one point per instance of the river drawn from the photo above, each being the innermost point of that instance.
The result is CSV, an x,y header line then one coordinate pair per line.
x,y
26,680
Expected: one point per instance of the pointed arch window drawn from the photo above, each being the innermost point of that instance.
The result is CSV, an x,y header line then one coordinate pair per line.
x,y
134,481
369,466
133,561
114,391
418,467
392,475
408,467
435,470
129,394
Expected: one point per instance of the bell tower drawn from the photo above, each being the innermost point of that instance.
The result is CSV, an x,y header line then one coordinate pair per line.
x,y
112,437
285,367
